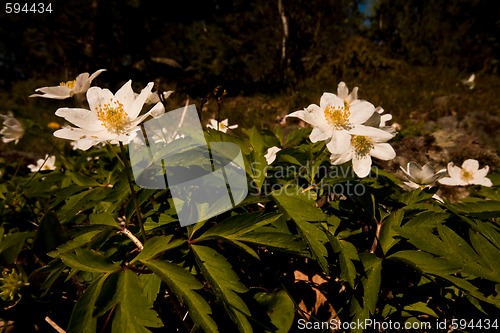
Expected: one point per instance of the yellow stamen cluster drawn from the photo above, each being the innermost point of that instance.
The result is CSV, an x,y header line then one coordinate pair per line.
x,y
338,117
112,116
467,175
69,84
362,145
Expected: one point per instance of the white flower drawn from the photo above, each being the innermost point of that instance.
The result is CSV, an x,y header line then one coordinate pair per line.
x,y
223,125
12,129
271,154
470,81
468,174
44,164
111,118
68,89
384,118
335,118
365,142
421,176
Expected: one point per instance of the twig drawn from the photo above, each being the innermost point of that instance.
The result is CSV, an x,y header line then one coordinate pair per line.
x,y
132,237
54,325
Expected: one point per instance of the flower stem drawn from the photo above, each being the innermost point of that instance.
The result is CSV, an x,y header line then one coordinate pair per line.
x,y
132,191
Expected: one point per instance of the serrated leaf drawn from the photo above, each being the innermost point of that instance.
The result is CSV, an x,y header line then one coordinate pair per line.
x,y
156,245
347,253
103,219
387,232
298,205
152,284
89,261
480,209
280,308
315,239
183,285
82,318
284,242
426,262
12,244
371,281
133,311
226,284
422,308
75,243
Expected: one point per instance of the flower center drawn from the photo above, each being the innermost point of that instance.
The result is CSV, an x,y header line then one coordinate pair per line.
x,y
69,84
338,116
362,145
112,116
467,175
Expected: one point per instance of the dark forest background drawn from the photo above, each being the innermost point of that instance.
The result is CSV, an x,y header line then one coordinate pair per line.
x,y
272,57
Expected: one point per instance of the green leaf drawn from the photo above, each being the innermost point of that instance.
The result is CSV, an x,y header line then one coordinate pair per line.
x,y
426,262
82,318
12,244
280,308
103,219
421,308
347,253
157,245
387,232
480,209
89,261
49,234
303,209
269,238
75,243
133,310
183,285
298,205
226,284
371,281
152,284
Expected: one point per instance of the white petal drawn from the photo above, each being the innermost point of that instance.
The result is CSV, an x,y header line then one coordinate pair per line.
x,y
361,112
471,165
329,99
338,159
57,92
362,166
481,173
81,83
375,133
342,90
126,96
483,181
383,151
454,171
98,97
93,76
341,141
81,117
139,101
318,135
452,181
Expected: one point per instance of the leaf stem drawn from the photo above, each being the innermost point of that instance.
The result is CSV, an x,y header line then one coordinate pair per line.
x,y
132,191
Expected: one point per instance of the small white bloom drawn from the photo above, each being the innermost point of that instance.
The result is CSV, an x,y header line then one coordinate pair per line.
x,y
12,129
223,125
365,142
68,89
271,154
468,174
335,118
470,81
421,176
44,164
111,118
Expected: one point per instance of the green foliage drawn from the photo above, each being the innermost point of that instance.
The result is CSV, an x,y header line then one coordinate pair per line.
x,y
400,256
